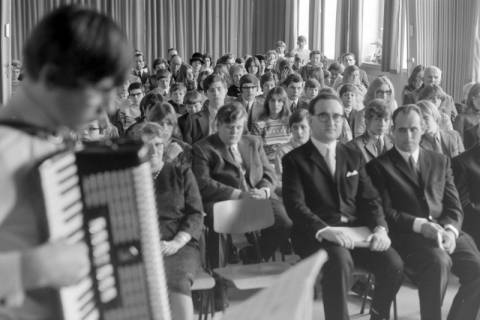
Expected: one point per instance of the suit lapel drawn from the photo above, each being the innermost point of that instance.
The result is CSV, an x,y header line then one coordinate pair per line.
x,y
423,166
369,146
318,159
224,152
402,166
340,164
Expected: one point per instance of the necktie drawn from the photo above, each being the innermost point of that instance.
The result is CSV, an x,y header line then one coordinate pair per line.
x,y
413,165
379,146
237,157
330,159
436,143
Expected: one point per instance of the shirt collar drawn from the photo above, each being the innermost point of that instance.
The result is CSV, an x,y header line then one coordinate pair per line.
x,y
406,155
322,147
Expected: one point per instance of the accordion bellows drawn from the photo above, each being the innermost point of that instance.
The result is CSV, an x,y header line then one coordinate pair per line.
x,y
104,195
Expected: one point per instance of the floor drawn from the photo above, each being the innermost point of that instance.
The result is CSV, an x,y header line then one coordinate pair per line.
x,y
407,303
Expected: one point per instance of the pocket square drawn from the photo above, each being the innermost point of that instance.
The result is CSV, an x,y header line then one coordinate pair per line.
x,y
352,173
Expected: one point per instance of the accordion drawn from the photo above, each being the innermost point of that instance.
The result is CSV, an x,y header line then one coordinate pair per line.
x,y
104,195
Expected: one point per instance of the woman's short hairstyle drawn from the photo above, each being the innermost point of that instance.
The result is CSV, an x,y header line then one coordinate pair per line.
x,y
335,66
163,111
230,113
77,46
431,92
474,92
377,108
159,61
235,68
149,101
282,94
292,78
298,116
252,61
328,90
413,76
268,76
375,85
177,86
428,108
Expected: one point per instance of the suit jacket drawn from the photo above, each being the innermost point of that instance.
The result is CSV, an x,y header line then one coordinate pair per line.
x,y
466,169
254,113
314,199
450,142
301,104
367,147
218,175
195,126
407,196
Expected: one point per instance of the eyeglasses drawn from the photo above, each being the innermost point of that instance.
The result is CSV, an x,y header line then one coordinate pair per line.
x,y
385,92
325,117
249,87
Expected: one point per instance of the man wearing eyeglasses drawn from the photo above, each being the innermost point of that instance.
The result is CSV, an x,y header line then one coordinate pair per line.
x,y
325,185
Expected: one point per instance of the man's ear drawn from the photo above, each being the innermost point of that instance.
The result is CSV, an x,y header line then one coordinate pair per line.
x,y
49,75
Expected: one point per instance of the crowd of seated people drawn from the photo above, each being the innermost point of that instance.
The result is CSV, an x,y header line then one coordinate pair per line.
x,y
299,131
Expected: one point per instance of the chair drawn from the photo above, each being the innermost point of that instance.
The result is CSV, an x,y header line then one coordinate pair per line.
x,y
204,284
246,216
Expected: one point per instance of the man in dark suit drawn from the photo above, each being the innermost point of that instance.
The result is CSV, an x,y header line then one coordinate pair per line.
x,y
230,165
375,140
466,169
325,185
425,216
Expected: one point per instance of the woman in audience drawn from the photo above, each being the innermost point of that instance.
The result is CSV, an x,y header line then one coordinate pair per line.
x,y
415,81
436,95
176,151
272,124
202,76
435,138
471,116
268,81
207,63
284,69
159,64
180,212
336,71
300,130
236,72
252,65
146,104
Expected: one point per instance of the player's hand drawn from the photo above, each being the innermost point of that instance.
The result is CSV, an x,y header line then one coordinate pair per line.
x,y
449,241
57,264
430,230
171,247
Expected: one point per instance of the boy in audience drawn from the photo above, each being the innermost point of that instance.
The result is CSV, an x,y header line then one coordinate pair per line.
x,y
375,140
302,51
312,86
195,126
140,69
59,91
163,80
294,86
349,60
248,98
314,68
124,118
177,94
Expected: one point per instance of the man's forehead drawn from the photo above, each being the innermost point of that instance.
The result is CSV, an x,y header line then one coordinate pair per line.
x,y
407,120
329,105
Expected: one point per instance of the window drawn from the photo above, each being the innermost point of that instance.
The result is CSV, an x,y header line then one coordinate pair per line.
x,y
303,19
329,32
372,31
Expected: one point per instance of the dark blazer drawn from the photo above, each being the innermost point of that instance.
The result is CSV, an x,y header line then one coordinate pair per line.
x,y
218,175
301,104
450,142
254,113
471,136
466,169
195,126
367,147
179,202
314,199
406,197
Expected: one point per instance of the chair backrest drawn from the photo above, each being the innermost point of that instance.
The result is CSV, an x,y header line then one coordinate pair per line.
x,y
242,216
